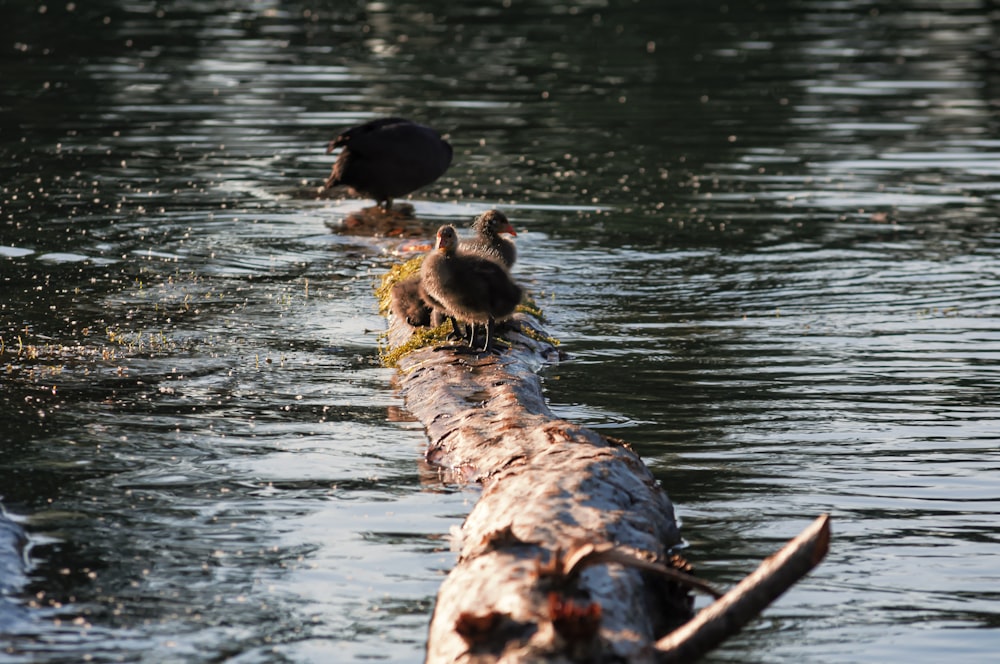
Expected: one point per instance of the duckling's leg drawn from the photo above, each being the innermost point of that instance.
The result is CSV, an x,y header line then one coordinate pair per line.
x,y
457,334
470,337
490,327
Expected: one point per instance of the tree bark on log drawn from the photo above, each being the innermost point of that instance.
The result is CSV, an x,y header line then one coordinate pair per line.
x,y
566,557
549,486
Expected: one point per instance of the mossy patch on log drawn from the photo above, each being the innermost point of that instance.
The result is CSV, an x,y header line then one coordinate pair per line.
x,y
398,272
530,306
421,337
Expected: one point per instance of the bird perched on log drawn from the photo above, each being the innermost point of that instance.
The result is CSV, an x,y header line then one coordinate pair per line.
x,y
468,287
408,300
388,158
487,241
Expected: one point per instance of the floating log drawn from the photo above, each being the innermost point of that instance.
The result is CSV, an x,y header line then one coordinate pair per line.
x,y
567,555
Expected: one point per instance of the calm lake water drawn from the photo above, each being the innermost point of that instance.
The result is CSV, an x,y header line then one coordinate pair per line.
x,y
767,236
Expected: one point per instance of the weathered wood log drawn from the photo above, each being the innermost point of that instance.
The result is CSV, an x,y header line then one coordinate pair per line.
x,y
549,487
567,554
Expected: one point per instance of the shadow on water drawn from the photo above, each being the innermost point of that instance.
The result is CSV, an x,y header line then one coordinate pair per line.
x,y
766,235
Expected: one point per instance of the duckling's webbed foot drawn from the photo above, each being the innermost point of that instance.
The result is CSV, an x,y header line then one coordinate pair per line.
x,y
471,339
499,345
461,350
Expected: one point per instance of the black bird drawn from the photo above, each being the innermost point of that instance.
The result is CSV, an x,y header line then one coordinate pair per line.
x,y
488,242
466,286
388,158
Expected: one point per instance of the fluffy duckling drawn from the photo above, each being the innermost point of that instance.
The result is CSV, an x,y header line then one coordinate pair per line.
x,y
488,242
468,287
408,302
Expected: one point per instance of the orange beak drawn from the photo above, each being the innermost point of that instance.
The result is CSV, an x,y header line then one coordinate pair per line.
x,y
509,229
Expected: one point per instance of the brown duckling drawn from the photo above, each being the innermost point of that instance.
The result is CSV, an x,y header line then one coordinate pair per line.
x,y
488,242
408,303
413,305
468,287
388,158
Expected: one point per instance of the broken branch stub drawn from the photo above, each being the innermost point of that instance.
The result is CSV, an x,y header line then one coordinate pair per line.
x,y
727,616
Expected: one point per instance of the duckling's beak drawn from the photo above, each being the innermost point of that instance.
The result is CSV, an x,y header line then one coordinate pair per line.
x,y
507,228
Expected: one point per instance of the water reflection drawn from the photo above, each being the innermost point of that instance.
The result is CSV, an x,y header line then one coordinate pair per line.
x,y
764,233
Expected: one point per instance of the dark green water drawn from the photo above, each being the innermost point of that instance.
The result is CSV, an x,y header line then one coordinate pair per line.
x,y
767,236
